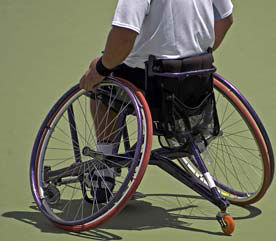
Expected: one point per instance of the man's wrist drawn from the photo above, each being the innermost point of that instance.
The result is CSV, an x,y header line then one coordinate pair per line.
x,y
101,69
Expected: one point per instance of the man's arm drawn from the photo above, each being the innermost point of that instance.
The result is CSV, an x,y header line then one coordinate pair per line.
x,y
221,28
119,43
118,46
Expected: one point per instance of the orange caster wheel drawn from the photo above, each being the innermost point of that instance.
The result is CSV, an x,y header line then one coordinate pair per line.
x,y
226,222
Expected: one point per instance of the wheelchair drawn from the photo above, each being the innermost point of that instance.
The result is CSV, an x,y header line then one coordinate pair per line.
x,y
230,163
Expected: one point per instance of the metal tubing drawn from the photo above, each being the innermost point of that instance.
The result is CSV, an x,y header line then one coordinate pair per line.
x,y
174,170
74,134
203,169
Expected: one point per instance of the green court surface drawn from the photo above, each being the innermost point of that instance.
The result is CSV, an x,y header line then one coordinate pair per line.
x,y
45,47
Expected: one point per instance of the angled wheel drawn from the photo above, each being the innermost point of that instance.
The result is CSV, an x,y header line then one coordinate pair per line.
x,y
240,158
76,185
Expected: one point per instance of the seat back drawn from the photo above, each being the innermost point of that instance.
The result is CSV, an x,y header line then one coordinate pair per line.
x,y
181,91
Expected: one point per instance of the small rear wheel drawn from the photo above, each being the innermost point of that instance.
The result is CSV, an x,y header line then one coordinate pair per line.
x,y
226,222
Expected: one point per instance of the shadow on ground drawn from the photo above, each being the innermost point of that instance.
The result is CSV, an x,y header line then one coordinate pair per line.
x,y
140,214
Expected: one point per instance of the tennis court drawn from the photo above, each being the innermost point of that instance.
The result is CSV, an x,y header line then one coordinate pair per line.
x,y
46,46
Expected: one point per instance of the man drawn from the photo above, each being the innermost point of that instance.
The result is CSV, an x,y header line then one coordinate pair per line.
x,y
167,29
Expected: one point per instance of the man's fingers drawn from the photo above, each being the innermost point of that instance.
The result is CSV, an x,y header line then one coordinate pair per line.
x,y
90,80
86,83
94,87
82,82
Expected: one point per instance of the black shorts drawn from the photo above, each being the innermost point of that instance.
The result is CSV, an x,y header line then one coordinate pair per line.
x,y
135,76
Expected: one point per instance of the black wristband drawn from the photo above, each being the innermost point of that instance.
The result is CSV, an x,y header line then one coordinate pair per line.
x,y
101,69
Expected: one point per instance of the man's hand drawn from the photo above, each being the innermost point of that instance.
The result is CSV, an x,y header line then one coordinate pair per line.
x,y
91,77
118,46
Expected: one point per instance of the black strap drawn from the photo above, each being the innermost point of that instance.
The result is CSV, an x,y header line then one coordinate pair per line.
x,y
215,117
101,69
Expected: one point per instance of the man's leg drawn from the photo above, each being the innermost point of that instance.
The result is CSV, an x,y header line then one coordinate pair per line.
x,y
107,129
105,121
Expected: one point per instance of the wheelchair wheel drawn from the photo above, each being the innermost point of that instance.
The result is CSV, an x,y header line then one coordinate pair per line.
x,y
67,171
240,158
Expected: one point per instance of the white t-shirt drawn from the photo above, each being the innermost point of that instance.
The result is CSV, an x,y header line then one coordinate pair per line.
x,y
169,28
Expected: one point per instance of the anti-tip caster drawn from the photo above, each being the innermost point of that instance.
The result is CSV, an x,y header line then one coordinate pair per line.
x,y
226,222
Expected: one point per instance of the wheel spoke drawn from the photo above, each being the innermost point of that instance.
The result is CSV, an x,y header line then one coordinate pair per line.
x,y
79,190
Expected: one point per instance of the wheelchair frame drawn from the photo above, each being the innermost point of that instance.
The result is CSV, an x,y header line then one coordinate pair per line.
x,y
161,157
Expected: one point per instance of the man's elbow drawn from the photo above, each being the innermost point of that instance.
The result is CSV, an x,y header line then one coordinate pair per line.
x,y
229,20
124,35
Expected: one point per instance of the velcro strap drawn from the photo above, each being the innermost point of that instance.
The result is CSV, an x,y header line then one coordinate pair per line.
x,y
199,62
